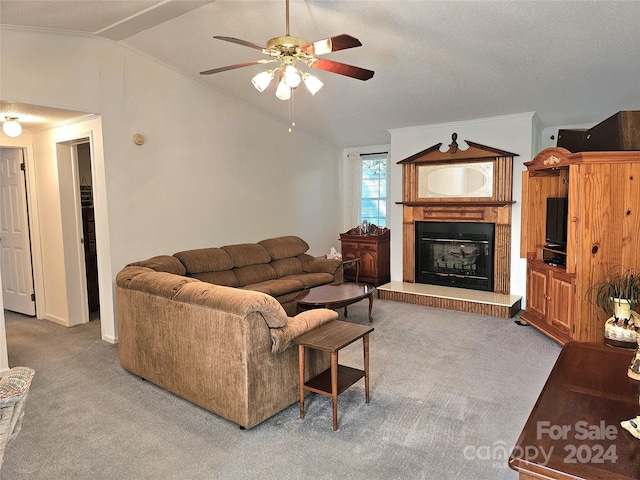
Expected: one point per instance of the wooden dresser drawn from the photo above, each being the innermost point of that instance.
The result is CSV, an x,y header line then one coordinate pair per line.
x,y
374,254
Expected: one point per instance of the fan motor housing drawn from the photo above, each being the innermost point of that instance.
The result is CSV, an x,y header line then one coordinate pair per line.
x,y
286,44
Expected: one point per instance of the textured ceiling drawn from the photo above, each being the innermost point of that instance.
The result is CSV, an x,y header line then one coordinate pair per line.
x,y
435,61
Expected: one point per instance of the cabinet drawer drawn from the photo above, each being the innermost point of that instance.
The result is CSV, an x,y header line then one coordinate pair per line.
x,y
349,246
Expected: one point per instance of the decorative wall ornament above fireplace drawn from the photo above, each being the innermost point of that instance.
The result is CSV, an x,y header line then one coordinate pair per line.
x,y
472,185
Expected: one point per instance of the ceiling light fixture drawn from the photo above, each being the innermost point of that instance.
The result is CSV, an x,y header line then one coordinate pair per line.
x,y
11,127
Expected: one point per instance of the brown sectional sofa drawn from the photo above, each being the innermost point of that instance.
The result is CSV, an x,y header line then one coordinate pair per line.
x,y
211,325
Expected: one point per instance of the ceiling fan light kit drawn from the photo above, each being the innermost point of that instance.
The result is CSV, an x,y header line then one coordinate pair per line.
x,y
290,51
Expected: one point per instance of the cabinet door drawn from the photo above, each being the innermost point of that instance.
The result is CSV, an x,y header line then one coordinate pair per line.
x,y
560,302
369,260
537,292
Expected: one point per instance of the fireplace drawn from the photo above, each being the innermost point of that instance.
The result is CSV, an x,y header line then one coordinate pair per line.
x,y
456,217
455,254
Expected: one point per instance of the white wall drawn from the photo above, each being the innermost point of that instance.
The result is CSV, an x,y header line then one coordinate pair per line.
x,y
4,358
517,134
549,136
212,170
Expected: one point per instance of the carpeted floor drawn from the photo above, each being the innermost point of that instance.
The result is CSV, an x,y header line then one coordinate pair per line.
x,y
450,393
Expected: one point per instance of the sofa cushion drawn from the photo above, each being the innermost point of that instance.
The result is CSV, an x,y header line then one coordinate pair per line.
x,y
254,274
205,260
310,280
287,266
303,322
227,278
235,301
160,283
244,254
277,287
163,263
284,247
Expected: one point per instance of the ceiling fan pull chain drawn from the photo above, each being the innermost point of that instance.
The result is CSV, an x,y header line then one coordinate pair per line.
x,y
291,111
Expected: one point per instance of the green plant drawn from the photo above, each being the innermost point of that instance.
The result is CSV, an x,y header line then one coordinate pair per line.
x,y
619,283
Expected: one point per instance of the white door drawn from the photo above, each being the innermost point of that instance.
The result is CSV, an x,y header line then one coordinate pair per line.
x,y
17,273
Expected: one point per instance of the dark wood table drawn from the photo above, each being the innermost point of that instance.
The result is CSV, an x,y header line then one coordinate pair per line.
x,y
574,429
332,337
336,296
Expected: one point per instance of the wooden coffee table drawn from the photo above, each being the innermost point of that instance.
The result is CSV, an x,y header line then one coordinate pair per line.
x,y
336,296
331,337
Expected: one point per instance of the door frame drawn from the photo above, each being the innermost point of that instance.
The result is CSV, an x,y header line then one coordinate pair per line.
x,y
66,155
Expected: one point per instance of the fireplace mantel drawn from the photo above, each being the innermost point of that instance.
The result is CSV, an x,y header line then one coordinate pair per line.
x,y
473,203
488,200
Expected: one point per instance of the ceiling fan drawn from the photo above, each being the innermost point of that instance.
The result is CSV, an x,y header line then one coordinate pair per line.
x,y
288,53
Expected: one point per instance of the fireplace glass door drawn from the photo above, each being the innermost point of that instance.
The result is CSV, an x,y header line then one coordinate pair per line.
x,y
455,254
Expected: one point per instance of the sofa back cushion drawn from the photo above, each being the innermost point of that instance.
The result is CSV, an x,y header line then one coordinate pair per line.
x,y
244,254
287,266
162,263
227,278
254,274
284,247
204,260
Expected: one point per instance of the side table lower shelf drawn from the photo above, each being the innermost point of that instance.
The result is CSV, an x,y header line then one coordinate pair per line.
x,y
321,383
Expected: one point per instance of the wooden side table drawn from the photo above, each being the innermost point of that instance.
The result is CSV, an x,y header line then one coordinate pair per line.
x,y
332,337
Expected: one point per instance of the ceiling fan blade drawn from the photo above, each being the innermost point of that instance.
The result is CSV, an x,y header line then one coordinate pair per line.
x,y
233,67
341,68
244,43
332,44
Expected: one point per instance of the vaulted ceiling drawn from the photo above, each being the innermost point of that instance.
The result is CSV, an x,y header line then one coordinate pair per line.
x,y
434,61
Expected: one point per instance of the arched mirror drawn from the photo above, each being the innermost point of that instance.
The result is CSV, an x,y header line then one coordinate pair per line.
x,y
460,180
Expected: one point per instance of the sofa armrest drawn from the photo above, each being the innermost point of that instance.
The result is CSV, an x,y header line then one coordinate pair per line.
x,y
281,338
320,264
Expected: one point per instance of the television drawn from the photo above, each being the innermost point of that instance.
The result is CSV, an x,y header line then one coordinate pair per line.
x,y
556,226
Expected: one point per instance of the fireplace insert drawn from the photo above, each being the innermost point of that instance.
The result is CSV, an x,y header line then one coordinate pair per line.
x,y
455,254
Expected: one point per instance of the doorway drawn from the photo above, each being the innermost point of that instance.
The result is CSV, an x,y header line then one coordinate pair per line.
x,y
15,234
83,155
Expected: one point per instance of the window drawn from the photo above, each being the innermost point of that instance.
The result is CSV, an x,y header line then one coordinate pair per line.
x,y
373,201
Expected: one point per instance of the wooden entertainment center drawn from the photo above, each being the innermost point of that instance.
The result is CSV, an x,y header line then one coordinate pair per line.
x,y
603,230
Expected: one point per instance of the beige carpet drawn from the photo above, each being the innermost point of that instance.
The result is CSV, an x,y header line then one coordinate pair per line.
x,y
444,386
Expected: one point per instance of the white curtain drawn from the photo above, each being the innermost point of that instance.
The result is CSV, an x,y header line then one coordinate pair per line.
x,y
354,189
